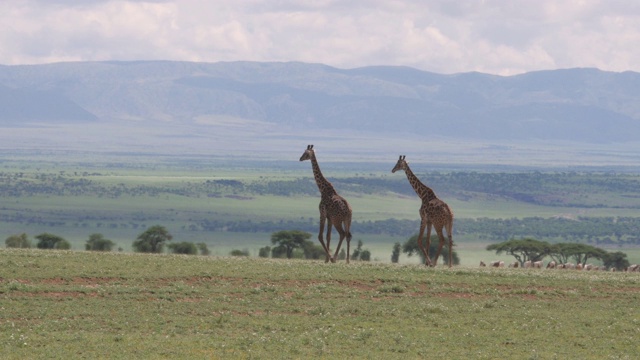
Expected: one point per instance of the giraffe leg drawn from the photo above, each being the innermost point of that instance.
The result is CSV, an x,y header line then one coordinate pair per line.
x,y
342,234
450,236
320,238
335,256
450,249
347,234
348,246
427,261
347,229
333,259
440,244
428,243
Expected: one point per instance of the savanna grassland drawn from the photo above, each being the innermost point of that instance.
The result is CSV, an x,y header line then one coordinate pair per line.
x,y
72,304
237,205
79,304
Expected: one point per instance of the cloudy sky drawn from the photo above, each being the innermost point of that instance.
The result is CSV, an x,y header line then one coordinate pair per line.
x,y
447,36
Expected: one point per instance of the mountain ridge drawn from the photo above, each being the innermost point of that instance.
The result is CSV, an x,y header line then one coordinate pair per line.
x,y
580,104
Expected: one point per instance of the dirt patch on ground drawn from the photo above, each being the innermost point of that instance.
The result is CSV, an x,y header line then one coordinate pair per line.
x,y
239,287
53,294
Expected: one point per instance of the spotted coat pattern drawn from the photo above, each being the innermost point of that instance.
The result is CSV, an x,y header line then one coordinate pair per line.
x,y
433,212
334,209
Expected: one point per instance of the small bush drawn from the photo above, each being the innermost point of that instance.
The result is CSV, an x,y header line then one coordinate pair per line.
x,y
63,245
236,252
97,242
185,247
204,250
264,252
18,241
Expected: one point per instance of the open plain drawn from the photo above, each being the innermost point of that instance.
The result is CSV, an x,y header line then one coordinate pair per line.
x,y
61,304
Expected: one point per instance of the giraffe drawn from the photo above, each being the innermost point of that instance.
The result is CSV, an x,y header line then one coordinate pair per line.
x,y
334,209
432,212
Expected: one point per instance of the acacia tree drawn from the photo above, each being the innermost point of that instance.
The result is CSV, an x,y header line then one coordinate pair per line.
x,y
586,252
288,240
152,240
50,241
411,246
579,252
523,250
562,252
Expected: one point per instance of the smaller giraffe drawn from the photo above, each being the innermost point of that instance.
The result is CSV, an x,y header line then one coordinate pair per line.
x,y
432,212
334,209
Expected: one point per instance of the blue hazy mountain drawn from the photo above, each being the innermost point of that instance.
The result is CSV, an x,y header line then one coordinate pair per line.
x,y
579,105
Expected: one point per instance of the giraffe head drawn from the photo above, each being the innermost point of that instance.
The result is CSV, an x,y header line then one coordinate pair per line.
x,y
307,153
401,164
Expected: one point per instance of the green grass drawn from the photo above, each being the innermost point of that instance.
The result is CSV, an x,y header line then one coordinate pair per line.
x,y
91,305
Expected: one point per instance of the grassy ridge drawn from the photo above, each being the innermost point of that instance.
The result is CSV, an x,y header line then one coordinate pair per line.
x,y
88,305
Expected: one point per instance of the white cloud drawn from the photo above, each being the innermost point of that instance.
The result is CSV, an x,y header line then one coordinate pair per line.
x,y
436,35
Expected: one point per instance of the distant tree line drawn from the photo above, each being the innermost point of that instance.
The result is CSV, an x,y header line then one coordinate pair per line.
x,y
596,230
45,241
592,230
296,244
567,189
152,240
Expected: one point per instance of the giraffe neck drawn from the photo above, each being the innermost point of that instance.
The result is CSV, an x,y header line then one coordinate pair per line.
x,y
323,184
423,191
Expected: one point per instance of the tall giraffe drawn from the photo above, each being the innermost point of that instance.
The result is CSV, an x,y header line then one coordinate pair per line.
x,y
432,212
334,209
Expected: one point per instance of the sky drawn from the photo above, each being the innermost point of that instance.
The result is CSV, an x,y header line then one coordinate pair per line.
x,y
503,37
